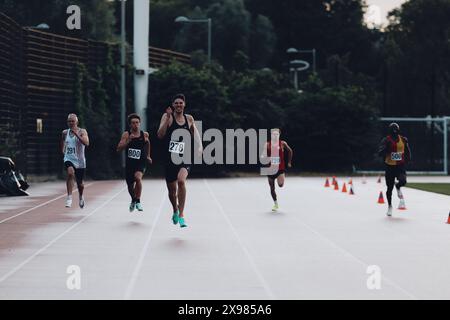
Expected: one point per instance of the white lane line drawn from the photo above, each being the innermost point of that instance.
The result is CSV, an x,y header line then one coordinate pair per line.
x,y
144,250
21,265
244,248
335,245
38,206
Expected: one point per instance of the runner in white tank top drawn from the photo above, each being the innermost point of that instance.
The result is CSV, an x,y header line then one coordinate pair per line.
x,y
73,142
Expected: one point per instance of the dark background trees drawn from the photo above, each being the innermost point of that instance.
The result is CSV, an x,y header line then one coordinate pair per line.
x,y
362,73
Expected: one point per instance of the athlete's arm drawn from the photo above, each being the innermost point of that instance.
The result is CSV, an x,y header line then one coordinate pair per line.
x,y
63,139
382,147
194,130
123,142
263,155
147,143
83,137
290,153
165,123
408,155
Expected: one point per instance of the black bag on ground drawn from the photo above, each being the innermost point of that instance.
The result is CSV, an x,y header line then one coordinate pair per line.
x,y
11,183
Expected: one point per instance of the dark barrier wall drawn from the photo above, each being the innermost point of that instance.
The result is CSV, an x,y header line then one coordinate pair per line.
x,y
36,89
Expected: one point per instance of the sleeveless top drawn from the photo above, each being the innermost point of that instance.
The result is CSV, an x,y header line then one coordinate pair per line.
x,y
278,157
74,151
135,151
395,154
176,146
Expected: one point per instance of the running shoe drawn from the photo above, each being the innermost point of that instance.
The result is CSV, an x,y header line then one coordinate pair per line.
x,y
139,207
68,201
132,206
182,223
401,205
81,203
389,212
175,217
275,207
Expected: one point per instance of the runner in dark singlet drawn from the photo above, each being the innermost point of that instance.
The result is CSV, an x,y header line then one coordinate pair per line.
x,y
136,144
277,162
176,174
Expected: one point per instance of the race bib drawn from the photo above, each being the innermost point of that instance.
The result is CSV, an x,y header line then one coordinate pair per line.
x,y
70,150
396,156
176,147
275,160
134,154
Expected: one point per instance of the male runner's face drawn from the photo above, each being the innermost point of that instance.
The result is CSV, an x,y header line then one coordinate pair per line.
x,y
135,124
275,136
178,105
72,122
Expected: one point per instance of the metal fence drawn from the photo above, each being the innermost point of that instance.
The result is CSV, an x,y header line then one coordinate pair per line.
x,y
36,83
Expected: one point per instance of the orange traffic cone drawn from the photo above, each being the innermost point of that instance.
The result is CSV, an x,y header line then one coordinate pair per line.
x,y
350,182
380,198
334,181
344,188
336,185
327,183
379,179
448,220
351,190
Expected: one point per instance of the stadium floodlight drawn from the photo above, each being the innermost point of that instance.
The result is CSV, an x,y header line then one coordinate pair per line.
x,y
183,19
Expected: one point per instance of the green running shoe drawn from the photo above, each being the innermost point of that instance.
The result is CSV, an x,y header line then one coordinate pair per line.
x,y
132,206
182,223
175,217
139,206
275,207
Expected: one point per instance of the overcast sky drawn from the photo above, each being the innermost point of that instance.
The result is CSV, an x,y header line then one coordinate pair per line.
x,y
382,8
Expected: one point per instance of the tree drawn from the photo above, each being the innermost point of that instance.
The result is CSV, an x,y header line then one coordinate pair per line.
x,y
419,52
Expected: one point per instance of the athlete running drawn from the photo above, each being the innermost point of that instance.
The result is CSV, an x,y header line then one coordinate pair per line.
x,y
277,162
73,142
396,153
176,174
136,144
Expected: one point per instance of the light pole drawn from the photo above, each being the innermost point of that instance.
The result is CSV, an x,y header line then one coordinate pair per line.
x,y
312,51
209,21
296,66
122,71
41,26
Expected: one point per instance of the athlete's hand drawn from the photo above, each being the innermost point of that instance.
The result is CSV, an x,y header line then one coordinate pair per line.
x,y
169,111
289,165
150,161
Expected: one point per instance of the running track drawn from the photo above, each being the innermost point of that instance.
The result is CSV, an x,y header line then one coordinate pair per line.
x,y
318,246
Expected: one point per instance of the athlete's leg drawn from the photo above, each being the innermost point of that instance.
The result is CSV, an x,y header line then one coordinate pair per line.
x,y
401,176
172,189
181,182
272,188
79,175
138,185
390,181
281,179
69,181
